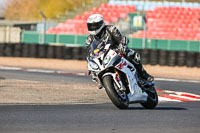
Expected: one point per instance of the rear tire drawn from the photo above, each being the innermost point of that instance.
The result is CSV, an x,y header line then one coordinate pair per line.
x,y
112,93
152,99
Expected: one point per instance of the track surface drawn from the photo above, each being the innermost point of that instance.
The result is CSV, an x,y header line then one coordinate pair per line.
x,y
168,117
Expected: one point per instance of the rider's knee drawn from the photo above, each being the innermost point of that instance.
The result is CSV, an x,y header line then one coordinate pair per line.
x,y
133,56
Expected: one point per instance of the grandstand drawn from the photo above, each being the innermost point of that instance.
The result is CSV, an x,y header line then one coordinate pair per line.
x,y
151,4
176,23
77,25
168,19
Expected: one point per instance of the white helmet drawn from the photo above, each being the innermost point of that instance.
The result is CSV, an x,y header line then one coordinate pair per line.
x,y
95,23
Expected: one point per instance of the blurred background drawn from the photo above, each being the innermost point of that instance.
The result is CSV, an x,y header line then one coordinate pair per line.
x,y
163,28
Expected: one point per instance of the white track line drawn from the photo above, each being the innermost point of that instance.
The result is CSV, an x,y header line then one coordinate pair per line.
x,y
164,99
176,80
81,73
180,96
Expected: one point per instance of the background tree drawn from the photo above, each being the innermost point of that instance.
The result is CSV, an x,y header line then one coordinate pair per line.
x,y
30,9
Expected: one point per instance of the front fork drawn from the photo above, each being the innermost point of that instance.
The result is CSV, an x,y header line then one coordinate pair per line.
x,y
96,79
118,81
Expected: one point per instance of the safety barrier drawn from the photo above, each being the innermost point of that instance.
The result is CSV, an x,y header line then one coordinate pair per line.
x,y
161,44
135,43
42,51
35,37
149,56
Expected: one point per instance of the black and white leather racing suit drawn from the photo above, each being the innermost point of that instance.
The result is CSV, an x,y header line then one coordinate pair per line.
x,y
119,43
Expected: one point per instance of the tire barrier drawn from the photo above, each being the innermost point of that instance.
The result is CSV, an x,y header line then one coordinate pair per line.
x,y
148,56
25,50
153,57
68,53
84,53
181,58
198,60
76,52
145,56
9,50
191,59
42,51
33,50
51,52
2,51
18,50
172,56
162,57
59,52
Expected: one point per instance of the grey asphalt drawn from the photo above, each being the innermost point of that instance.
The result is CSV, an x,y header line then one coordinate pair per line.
x,y
168,117
98,118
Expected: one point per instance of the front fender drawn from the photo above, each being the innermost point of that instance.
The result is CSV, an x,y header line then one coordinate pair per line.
x,y
108,73
112,72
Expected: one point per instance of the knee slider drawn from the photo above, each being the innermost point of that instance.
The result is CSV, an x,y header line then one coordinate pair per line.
x,y
137,58
133,56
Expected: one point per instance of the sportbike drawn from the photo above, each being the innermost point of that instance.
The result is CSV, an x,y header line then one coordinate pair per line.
x,y
119,77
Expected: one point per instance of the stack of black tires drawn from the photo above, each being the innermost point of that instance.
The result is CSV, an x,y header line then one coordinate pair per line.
x,y
149,56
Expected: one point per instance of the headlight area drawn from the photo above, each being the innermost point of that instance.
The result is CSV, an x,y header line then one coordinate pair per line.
x,y
93,65
106,60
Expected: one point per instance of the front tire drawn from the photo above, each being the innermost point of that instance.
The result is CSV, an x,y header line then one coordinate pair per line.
x,y
111,90
152,99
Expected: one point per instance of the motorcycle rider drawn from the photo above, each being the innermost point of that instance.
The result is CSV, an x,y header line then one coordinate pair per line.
x,y
99,31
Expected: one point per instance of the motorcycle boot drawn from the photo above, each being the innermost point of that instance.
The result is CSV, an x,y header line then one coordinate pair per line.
x,y
134,58
143,72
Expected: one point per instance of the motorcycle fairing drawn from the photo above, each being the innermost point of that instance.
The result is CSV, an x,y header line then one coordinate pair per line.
x,y
136,94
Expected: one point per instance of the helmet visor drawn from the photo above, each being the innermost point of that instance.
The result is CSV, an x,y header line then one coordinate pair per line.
x,y
94,26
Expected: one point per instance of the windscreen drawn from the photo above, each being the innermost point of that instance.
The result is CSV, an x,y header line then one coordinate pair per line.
x,y
97,47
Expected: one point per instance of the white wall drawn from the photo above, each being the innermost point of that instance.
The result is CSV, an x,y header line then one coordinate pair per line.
x,y
10,34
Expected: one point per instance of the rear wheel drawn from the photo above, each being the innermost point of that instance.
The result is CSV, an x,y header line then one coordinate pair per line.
x,y
117,96
152,99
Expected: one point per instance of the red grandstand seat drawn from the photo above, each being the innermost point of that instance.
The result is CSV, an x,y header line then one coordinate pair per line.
x,y
60,25
114,19
95,10
51,30
123,9
103,10
68,21
104,6
173,23
107,17
78,17
110,13
149,14
87,14
123,15
131,8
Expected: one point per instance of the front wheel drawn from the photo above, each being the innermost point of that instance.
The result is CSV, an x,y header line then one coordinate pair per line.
x,y
118,98
152,99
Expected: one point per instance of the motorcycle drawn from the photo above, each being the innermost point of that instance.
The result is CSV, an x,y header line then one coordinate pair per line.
x,y
119,77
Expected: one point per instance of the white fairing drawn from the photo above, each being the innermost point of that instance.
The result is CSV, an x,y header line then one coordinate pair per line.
x,y
136,95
